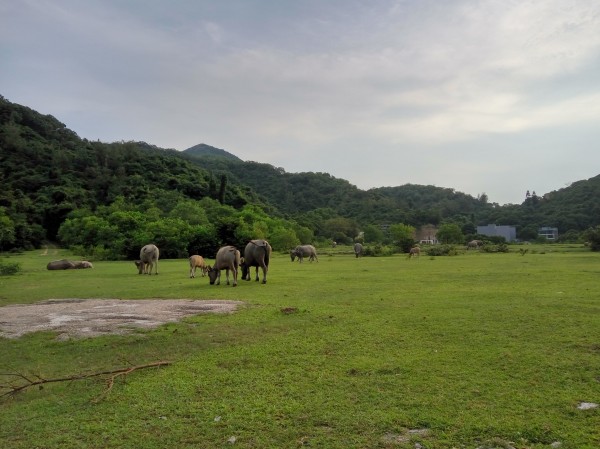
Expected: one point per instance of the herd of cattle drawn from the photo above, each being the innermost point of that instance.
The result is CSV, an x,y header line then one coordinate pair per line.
x,y
257,253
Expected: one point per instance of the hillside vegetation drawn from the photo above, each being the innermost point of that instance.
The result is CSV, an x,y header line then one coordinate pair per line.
x,y
305,195
114,196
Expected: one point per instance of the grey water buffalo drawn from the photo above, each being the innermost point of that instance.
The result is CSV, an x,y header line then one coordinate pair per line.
x,y
474,244
65,264
302,251
358,250
228,259
197,262
148,259
256,254
415,251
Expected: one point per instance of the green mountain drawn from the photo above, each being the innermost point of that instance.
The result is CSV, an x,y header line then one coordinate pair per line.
x,y
298,193
48,173
571,209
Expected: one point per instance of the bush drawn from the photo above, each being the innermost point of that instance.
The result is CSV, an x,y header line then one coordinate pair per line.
x,y
499,248
592,236
8,269
442,250
377,250
98,252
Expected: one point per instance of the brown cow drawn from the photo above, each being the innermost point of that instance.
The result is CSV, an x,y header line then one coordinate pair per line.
x,y
415,251
197,262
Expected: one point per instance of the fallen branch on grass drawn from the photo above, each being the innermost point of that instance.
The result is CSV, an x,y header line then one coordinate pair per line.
x,y
39,381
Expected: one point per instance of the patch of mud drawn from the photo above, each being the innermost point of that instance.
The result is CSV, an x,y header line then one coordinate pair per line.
x,y
405,437
587,405
93,317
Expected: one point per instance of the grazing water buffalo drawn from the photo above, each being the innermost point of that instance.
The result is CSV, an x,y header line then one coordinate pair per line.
x,y
256,254
474,244
302,251
415,251
148,259
65,264
358,250
197,262
228,258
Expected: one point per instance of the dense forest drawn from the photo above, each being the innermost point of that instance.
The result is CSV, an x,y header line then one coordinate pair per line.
x,y
302,195
110,198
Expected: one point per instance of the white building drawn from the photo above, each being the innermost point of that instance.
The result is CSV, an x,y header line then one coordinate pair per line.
x,y
548,232
508,232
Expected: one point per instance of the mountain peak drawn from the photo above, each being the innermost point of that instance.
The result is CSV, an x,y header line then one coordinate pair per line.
x,y
203,149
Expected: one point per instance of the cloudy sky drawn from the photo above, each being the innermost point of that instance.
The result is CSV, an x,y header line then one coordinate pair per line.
x,y
482,96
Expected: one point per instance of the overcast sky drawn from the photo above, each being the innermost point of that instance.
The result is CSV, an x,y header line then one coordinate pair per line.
x,y
482,96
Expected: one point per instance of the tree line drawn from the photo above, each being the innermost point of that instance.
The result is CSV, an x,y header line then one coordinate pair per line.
x,y
111,198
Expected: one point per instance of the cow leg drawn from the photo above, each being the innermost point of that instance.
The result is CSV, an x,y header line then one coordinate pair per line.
x,y
264,269
234,274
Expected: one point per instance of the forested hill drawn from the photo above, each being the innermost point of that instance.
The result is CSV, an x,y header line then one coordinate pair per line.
x,y
576,207
50,175
299,193
291,193
314,196
47,172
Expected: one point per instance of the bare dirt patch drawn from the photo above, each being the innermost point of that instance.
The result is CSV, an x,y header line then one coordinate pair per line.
x,y
73,318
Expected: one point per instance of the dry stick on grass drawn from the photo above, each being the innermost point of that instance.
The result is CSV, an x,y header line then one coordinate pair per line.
x,y
112,375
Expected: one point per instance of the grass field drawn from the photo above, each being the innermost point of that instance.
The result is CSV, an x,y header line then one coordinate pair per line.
x,y
470,351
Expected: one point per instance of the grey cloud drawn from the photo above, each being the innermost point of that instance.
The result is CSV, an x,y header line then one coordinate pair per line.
x,y
317,85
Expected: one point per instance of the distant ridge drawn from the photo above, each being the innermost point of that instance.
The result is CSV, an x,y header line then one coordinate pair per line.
x,y
206,150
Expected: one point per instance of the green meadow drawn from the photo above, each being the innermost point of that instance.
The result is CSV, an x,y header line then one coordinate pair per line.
x,y
469,351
